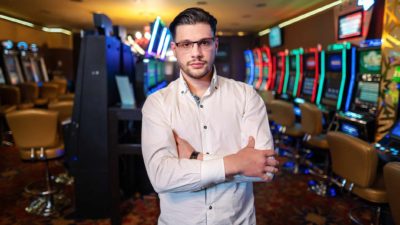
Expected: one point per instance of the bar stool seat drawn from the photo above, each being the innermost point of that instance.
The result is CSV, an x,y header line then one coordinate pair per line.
x,y
376,193
318,141
295,130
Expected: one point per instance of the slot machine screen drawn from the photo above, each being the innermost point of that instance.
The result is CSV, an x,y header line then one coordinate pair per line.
x,y
370,61
11,64
2,79
279,67
151,73
396,130
292,78
367,92
308,85
309,63
293,63
334,62
265,60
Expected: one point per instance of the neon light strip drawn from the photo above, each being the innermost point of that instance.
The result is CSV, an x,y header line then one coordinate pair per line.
x,y
14,20
283,57
272,87
270,69
161,43
153,35
298,76
343,82
57,30
301,17
321,80
286,74
352,78
316,55
165,46
251,66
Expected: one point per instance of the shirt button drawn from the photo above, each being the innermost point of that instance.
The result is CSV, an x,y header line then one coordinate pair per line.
x,y
207,153
205,127
182,92
210,207
201,106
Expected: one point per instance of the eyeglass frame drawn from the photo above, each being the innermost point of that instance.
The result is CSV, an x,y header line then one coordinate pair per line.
x,y
178,44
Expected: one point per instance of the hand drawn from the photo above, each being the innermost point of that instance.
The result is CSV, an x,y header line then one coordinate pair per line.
x,y
183,147
251,162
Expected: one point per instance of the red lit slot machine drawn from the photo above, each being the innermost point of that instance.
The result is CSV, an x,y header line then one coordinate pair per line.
x,y
311,71
258,71
267,69
279,75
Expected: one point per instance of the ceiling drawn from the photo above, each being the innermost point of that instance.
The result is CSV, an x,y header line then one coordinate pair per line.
x,y
233,15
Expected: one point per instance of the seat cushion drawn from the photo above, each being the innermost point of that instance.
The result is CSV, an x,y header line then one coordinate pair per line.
x,y
4,109
27,105
318,141
294,131
376,193
50,153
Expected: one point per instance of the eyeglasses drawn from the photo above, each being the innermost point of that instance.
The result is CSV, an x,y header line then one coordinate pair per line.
x,y
205,44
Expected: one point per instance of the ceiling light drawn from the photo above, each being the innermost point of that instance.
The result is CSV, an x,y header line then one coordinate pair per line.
x,y
11,19
201,3
240,33
57,30
301,17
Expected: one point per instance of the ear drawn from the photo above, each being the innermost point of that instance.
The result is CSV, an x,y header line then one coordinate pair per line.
x,y
173,48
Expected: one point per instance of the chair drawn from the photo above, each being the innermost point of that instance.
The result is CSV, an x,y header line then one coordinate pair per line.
x,y
314,139
391,174
63,108
49,92
36,136
10,96
62,90
356,162
283,115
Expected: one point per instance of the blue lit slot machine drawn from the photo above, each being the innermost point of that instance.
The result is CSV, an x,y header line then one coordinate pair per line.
x,y
337,78
258,68
10,64
294,75
267,69
311,71
389,146
360,119
280,71
248,56
29,70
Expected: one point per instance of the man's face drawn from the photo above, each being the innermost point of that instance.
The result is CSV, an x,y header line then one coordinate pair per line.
x,y
195,60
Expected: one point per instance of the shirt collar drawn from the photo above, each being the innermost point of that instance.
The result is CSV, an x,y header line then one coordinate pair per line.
x,y
183,86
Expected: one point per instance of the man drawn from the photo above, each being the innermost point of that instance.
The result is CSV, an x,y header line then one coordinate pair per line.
x,y
205,138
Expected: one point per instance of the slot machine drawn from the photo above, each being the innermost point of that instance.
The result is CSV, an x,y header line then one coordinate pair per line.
x,y
258,70
294,76
249,59
360,119
336,78
267,68
280,72
311,70
9,62
30,72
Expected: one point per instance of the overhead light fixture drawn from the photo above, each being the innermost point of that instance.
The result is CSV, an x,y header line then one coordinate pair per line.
x,y
14,20
56,30
28,24
301,17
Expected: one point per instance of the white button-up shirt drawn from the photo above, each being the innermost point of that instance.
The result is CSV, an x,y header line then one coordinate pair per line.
x,y
219,124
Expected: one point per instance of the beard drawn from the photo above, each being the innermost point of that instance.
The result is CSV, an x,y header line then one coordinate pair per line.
x,y
196,73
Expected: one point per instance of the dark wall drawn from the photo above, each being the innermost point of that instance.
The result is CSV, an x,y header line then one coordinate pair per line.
x,y
230,57
59,62
317,29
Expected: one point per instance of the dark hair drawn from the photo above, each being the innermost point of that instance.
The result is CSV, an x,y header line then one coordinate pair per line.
x,y
193,16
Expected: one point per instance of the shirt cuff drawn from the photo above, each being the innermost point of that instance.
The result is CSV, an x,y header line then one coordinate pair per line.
x,y
212,172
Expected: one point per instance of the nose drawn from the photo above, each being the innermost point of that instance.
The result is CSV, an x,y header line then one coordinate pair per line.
x,y
196,51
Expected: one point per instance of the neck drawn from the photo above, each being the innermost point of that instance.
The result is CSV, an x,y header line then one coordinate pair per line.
x,y
198,86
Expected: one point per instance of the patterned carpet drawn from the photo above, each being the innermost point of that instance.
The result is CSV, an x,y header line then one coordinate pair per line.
x,y
285,201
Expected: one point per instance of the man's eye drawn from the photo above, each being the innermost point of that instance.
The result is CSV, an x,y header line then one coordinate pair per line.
x,y
205,42
186,44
